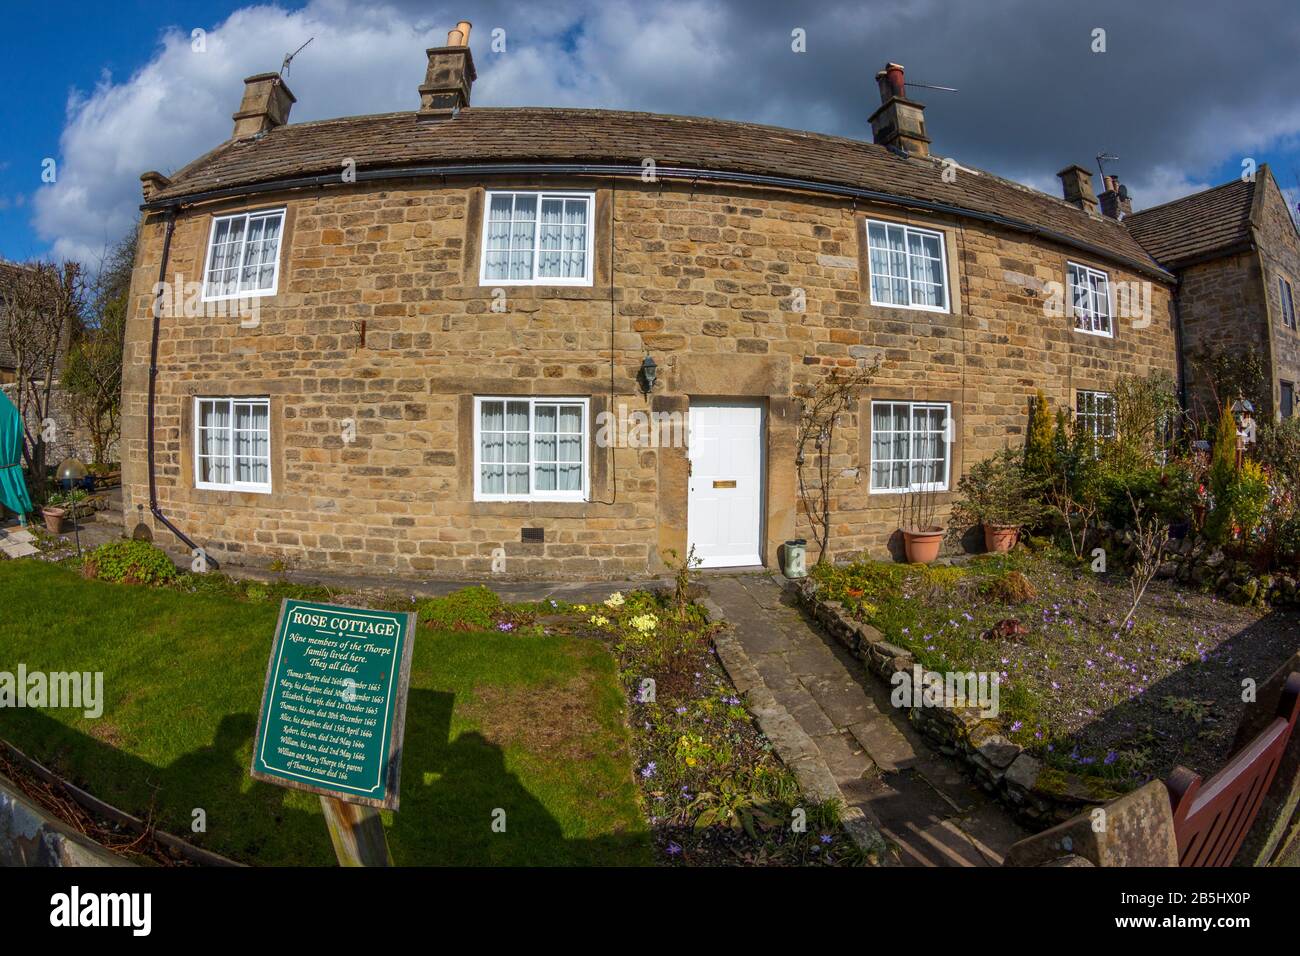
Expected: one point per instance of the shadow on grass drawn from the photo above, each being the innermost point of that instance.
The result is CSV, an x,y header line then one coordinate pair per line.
x,y
452,793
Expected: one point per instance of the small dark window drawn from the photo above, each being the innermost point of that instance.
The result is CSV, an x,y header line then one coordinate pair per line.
x,y
532,535
1288,303
1288,399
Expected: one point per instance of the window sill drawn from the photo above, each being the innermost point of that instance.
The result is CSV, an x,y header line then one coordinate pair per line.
x,y
532,509
236,489
1096,335
265,294
943,310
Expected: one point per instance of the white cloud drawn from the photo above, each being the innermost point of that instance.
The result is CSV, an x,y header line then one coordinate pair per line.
x,y
1161,184
1162,106
179,105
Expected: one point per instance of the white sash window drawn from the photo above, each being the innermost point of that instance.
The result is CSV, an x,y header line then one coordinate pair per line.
x,y
243,255
910,446
530,449
232,444
537,238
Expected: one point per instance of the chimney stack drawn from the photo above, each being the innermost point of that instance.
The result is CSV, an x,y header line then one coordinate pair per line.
x,y
1115,201
1076,182
265,105
447,81
899,122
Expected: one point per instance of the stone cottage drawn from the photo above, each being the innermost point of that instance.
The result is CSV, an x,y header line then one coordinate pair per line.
x,y
429,342
1236,253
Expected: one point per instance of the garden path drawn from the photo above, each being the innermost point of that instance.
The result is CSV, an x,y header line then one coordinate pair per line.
x,y
831,722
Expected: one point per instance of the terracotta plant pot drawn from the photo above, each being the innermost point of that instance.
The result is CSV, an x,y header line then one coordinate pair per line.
x,y
922,546
1000,538
53,519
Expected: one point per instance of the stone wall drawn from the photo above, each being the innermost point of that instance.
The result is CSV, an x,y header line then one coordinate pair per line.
x,y
704,279
1222,309
70,439
1279,252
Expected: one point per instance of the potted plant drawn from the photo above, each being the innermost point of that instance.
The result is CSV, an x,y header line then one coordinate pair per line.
x,y
54,512
1000,495
922,535
61,505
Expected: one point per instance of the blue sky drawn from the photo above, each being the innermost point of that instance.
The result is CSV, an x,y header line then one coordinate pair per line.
x,y
58,55
109,90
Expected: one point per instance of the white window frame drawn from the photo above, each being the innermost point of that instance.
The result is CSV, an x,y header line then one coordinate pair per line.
x,y
243,254
1287,300
261,488
946,407
1092,315
943,264
587,279
533,494
1094,416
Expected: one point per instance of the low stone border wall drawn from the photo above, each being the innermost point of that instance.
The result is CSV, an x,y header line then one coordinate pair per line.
x,y
1040,796
1195,562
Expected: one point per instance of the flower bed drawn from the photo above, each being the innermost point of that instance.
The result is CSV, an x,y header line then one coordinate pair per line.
x,y
714,791
1087,709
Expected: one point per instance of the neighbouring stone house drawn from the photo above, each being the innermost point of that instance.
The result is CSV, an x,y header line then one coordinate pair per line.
x,y
1236,253
443,309
66,438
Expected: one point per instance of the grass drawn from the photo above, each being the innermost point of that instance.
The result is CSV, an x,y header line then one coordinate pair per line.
x,y
529,724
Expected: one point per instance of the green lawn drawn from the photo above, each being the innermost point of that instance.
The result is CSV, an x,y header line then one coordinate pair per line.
x,y
530,725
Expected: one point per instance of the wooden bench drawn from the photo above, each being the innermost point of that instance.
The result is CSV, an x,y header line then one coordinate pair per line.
x,y
1212,817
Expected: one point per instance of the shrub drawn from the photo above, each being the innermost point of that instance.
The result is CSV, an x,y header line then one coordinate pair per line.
x,y
1010,588
1166,492
1038,443
130,562
469,609
1278,450
997,491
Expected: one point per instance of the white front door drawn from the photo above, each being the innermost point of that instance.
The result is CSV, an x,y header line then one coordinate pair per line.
x,y
724,514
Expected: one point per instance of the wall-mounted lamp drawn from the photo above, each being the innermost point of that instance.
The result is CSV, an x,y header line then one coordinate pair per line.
x,y
647,374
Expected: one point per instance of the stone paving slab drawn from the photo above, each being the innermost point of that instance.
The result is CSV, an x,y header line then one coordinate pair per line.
x,y
832,724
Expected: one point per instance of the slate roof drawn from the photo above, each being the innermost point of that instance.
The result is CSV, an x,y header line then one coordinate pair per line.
x,y
547,135
1196,227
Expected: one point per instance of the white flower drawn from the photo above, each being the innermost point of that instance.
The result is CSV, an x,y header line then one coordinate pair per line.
x,y
615,600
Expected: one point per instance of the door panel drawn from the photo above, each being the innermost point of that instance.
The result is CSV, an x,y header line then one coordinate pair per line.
x,y
725,508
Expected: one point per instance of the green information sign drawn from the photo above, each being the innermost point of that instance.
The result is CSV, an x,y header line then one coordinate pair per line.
x,y
335,702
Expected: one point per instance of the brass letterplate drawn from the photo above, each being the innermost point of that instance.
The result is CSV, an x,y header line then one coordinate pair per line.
x,y
725,484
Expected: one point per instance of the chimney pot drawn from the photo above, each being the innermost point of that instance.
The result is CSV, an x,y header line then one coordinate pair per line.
x,y
898,122
265,105
1076,184
890,81
1115,201
449,76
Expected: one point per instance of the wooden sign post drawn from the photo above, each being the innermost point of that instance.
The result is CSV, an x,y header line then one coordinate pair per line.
x,y
333,714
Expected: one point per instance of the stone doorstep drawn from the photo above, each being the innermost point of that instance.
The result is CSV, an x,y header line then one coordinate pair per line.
x,y
797,750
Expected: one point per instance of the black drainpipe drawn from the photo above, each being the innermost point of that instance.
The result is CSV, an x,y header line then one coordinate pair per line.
x,y
153,381
1179,345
